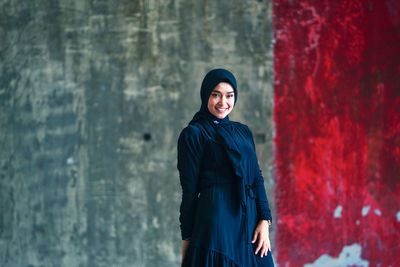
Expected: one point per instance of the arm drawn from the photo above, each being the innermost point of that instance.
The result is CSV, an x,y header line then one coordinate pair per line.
x,y
261,233
263,211
185,245
189,159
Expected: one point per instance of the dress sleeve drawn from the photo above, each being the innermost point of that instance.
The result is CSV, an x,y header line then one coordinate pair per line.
x,y
190,150
263,211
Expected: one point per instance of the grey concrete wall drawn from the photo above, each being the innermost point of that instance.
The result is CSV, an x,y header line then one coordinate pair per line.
x,y
93,95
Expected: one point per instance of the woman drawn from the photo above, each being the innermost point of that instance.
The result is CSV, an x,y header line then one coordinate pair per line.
x,y
224,213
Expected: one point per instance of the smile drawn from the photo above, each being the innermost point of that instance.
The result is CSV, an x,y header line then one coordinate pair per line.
x,y
221,109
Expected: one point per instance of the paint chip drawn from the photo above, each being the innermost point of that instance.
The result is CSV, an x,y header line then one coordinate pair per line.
x,y
70,161
156,224
398,216
358,222
377,212
158,197
349,256
338,212
365,210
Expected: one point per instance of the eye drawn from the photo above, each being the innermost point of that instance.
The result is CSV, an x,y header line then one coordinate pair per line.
x,y
229,96
214,95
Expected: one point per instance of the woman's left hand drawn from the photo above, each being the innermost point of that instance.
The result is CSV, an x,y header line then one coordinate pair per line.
x,y
261,234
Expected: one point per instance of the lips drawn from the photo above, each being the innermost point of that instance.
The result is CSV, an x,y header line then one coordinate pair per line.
x,y
221,109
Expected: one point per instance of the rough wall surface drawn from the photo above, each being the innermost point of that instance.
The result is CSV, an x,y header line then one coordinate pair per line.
x,y
337,114
93,95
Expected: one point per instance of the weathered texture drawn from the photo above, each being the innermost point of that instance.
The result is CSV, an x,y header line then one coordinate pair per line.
x,y
337,106
93,95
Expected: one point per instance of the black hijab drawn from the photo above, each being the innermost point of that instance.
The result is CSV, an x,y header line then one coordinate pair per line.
x,y
223,127
210,81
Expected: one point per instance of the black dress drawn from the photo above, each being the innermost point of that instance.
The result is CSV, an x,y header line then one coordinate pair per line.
x,y
223,193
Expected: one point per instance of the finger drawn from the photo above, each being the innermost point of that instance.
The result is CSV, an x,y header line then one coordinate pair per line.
x,y
268,245
263,251
259,245
254,236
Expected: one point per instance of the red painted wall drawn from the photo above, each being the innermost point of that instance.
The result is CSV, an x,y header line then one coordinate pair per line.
x,y
337,139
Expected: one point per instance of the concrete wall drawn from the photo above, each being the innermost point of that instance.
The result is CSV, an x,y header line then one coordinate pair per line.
x,y
93,95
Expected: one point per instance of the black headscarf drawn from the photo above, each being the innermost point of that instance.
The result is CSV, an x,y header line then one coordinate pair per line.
x,y
223,127
210,81
233,137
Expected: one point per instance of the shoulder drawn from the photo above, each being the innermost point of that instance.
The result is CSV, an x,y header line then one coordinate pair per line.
x,y
190,131
242,127
191,135
239,125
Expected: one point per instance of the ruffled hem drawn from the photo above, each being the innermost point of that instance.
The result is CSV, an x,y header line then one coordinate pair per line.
x,y
201,257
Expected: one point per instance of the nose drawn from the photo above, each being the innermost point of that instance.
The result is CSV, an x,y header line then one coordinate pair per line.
x,y
222,100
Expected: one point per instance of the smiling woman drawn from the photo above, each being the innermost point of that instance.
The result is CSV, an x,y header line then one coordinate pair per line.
x,y
221,100
224,213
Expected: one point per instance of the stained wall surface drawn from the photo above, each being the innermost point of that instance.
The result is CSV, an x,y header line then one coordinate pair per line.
x,y
337,117
93,95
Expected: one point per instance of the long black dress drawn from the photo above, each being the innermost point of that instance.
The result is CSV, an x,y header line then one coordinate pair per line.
x,y
223,193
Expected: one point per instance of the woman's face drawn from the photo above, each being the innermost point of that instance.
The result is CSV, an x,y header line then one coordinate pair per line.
x,y
221,100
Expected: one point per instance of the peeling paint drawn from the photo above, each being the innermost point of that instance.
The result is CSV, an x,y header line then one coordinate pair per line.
x,y
365,210
338,212
378,212
70,161
398,216
336,106
156,224
349,256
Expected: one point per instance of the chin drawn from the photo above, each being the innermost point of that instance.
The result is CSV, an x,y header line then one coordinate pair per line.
x,y
220,115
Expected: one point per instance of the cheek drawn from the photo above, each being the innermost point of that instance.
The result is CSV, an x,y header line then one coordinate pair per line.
x,y
210,103
232,103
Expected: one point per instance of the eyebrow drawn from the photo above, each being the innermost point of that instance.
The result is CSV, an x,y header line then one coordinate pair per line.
x,y
231,92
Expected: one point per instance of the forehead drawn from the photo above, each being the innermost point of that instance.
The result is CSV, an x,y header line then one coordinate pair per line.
x,y
224,88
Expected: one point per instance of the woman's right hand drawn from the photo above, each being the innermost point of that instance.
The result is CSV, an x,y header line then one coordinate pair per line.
x,y
185,244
